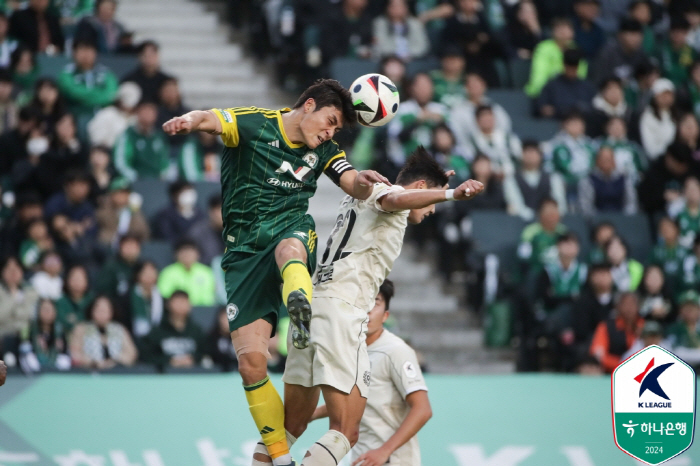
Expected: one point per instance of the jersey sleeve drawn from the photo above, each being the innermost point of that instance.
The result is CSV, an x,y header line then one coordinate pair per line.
x,y
380,190
405,372
229,126
335,162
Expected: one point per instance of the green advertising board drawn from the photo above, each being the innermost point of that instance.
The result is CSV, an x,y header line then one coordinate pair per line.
x,y
203,420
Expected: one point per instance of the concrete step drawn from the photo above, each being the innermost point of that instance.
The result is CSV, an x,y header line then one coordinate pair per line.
x,y
435,320
223,88
240,71
448,339
194,55
446,304
201,21
158,8
410,272
168,39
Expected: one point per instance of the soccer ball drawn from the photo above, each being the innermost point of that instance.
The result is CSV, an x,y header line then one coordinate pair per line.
x,y
375,98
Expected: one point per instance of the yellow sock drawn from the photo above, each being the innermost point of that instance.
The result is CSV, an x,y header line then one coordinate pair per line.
x,y
296,277
268,413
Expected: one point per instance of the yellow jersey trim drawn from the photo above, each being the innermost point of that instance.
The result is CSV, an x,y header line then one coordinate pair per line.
x,y
284,135
229,129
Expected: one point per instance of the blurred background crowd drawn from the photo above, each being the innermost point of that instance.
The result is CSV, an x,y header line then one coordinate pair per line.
x,y
580,118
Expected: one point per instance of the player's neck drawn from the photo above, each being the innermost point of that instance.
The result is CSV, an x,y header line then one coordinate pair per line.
x,y
291,124
375,336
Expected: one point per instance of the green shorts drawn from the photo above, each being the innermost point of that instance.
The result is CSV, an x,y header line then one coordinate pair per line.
x,y
254,283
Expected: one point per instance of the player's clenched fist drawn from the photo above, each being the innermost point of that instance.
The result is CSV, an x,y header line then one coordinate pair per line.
x,y
468,189
3,372
178,125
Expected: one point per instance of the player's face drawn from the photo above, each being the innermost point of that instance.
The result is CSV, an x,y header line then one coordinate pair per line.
x,y
415,216
319,126
377,315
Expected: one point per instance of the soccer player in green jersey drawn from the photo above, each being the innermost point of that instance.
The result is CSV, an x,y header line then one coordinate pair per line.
x,y
269,169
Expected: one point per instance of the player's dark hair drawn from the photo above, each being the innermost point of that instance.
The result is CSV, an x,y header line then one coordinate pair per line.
x,y
330,93
422,166
387,291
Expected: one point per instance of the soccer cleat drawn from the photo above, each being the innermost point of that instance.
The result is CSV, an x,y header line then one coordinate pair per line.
x,y
300,314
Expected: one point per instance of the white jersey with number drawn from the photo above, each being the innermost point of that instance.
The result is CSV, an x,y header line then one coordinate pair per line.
x,y
395,375
361,249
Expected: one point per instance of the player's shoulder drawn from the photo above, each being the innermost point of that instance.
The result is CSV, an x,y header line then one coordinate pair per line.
x,y
394,346
329,149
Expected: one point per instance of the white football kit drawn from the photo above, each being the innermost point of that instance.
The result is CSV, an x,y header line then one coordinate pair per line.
x,y
395,375
359,255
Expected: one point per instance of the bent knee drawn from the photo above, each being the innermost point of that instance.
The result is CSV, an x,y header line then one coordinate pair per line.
x,y
252,367
289,249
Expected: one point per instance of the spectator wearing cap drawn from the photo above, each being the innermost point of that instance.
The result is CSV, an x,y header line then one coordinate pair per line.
x,y
572,151
621,56
170,106
207,233
178,341
38,28
111,122
87,85
665,178
684,335
614,336
448,80
174,221
117,274
675,55
120,214
348,32
7,45
101,28
142,151
652,334
462,118
657,125
588,34
548,57
608,103
189,275
148,74
530,185
8,108
399,33
523,30
566,92
606,189
468,28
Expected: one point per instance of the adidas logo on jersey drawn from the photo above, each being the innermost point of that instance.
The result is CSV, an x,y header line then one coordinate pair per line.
x,y
274,143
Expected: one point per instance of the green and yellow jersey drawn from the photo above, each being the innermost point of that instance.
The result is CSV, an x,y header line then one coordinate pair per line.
x,y
266,179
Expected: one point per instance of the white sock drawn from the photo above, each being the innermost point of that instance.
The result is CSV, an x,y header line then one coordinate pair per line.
x,y
284,460
328,451
262,449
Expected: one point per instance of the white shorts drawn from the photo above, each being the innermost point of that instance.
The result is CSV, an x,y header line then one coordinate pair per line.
x,y
337,352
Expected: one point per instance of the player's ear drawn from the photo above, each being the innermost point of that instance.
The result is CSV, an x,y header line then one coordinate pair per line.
x,y
385,316
422,184
309,105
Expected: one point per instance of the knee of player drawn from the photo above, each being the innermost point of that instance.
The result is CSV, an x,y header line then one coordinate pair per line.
x,y
252,369
289,249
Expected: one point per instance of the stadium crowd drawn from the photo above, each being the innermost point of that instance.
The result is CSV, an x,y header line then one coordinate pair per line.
x,y
83,285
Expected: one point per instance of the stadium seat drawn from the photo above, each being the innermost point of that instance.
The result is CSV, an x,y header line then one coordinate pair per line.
x,y
634,229
516,103
503,73
494,231
155,195
422,65
519,72
204,316
206,189
579,226
120,65
160,252
346,70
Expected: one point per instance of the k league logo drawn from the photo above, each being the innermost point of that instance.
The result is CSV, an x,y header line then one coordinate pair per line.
x,y
653,404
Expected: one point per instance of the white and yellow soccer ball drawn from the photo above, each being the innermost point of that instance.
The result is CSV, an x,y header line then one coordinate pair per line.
x,y
375,98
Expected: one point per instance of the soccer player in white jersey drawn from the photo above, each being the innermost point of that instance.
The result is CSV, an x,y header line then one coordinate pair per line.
x,y
397,405
360,253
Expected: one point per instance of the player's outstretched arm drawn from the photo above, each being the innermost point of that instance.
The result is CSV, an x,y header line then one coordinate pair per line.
x,y
196,120
419,198
418,414
360,184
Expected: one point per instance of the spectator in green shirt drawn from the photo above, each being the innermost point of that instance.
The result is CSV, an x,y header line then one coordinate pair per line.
x,y
548,57
573,153
71,307
143,151
689,218
538,240
189,275
675,55
684,335
177,341
117,274
690,276
668,253
448,80
87,85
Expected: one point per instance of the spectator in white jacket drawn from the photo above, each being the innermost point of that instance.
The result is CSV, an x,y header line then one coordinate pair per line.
x,y
657,125
111,122
502,147
398,33
462,119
